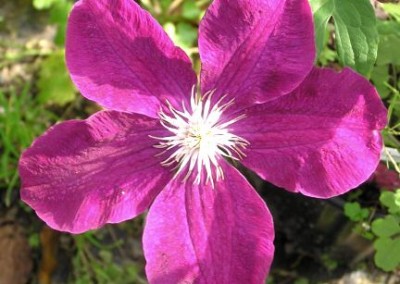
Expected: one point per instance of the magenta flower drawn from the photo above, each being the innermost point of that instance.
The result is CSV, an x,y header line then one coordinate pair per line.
x,y
164,145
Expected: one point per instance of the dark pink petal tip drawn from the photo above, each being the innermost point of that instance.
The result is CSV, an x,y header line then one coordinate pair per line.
x,y
82,174
200,234
322,140
255,51
120,57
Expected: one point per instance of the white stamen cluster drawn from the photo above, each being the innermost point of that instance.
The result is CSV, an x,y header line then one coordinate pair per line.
x,y
199,137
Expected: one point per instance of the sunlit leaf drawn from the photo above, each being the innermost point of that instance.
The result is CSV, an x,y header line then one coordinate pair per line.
x,y
389,51
54,83
356,35
386,227
43,4
391,200
183,35
190,10
393,10
322,10
186,34
354,211
58,15
387,255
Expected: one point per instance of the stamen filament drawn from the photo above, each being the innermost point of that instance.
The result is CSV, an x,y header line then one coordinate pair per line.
x,y
199,137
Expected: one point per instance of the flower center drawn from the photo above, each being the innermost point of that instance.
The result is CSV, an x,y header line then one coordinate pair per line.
x,y
200,137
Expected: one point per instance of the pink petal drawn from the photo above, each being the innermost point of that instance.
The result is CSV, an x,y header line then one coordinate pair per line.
x,y
200,234
120,57
321,140
256,50
83,174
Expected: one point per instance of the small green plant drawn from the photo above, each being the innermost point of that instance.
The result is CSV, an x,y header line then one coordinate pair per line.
x,y
21,120
387,232
179,19
96,262
54,83
354,211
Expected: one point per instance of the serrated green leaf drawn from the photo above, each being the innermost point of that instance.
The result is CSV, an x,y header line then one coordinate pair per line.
x,y
386,227
387,256
54,84
356,34
354,211
355,29
391,200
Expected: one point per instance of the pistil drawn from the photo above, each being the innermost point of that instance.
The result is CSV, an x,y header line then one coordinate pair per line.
x,y
200,137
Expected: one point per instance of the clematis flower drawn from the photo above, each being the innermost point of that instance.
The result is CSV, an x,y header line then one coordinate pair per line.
x,y
169,143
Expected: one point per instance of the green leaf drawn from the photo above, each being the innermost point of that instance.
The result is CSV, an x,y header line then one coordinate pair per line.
x,y
355,30
354,211
397,199
54,83
380,77
43,4
58,16
165,4
389,51
391,200
387,256
190,10
386,227
183,35
322,10
393,10
302,280
34,240
187,34
388,28
327,55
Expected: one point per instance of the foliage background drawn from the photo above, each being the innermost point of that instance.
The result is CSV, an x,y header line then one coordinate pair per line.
x,y
355,237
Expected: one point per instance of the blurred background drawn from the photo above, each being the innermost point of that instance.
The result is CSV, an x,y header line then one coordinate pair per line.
x,y
354,238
